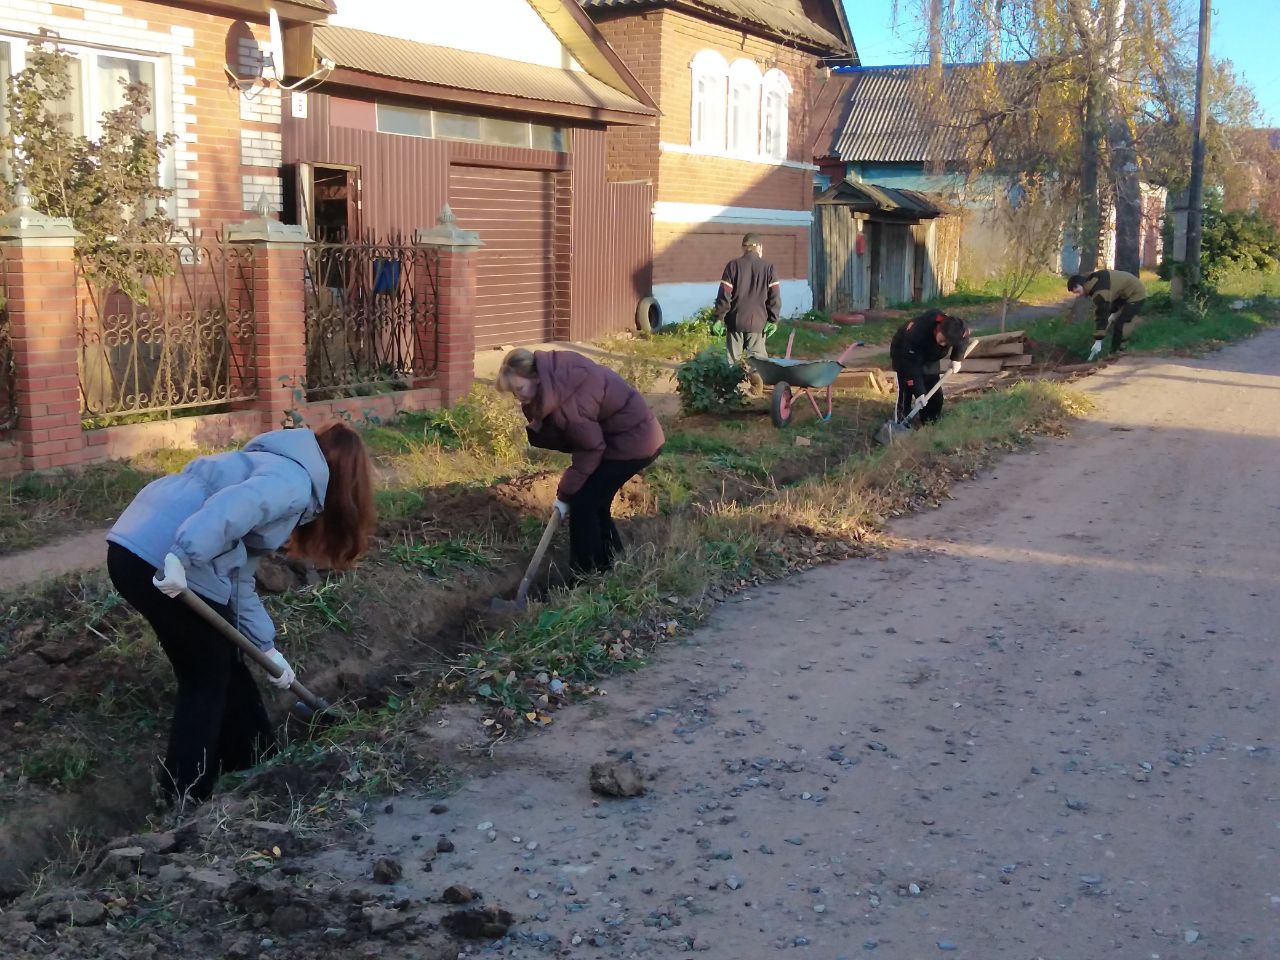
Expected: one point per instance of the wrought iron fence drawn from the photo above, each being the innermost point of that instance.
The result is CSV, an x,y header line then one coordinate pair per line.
x,y
165,328
8,370
371,317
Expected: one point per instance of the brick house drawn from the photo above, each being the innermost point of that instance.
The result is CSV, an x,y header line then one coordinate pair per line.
x,y
228,133
499,108
734,80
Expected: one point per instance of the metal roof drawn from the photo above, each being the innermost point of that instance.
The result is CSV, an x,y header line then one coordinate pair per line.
x,y
783,17
885,120
872,199
326,5
382,56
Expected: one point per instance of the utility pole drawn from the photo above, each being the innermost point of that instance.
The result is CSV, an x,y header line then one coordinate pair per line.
x,y
1195,201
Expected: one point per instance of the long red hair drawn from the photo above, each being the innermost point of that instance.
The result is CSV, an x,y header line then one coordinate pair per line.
x,y
341,534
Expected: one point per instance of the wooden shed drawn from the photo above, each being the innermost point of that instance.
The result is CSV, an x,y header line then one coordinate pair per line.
x,y
873,246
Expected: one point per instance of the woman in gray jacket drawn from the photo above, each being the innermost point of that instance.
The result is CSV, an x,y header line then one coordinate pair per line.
x,y
206,528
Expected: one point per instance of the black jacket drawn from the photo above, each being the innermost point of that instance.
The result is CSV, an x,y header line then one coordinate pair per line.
x,y
914,347
748,296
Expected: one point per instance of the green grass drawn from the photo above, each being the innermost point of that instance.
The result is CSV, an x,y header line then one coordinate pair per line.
x,y
59,764
435,559
1167,327
1046,288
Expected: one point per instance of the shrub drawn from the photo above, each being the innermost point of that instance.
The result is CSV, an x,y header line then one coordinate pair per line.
x,y
484,423
708,382
640,371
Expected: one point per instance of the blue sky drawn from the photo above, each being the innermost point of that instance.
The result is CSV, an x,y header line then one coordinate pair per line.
x,y
1245,31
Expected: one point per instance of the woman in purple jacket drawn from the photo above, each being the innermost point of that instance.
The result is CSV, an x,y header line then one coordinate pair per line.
x,y
579,407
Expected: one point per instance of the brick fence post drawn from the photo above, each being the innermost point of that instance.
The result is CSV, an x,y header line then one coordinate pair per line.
x,y
279,316
455,307
40,282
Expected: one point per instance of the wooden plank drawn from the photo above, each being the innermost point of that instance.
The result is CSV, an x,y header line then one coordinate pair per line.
x,y
1011,349
983,365
861,380
1006,337
1023,360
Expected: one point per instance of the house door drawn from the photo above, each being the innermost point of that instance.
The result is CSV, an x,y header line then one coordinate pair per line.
x,y
327,201
874,254
514,212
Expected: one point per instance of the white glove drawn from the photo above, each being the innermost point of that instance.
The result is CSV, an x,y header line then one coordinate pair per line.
x,y
174,579
563,508
955,366
918,404
1096,350
287,676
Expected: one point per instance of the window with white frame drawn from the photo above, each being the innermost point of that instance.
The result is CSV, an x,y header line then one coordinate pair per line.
x,y
774,99
710,88
98,79
744,108
737,111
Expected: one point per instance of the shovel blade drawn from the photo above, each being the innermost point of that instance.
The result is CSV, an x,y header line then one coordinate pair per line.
x,y
889,431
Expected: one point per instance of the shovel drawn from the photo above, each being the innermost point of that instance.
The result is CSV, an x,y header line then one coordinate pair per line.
x,y
497,604
308,703
890,428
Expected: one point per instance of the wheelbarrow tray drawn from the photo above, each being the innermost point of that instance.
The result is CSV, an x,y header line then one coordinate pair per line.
x,y
796,372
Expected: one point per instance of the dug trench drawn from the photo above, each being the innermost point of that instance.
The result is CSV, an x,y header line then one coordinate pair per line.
x,y
85,694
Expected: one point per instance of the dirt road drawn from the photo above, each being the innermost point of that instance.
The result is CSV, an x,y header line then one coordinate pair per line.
x,y
1043,727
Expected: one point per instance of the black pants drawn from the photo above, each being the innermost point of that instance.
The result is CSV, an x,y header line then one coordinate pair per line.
x,y
1125,312
593,536
219,722
914,381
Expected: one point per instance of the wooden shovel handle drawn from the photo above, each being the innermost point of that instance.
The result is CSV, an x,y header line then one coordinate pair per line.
x,y
552,526
250,649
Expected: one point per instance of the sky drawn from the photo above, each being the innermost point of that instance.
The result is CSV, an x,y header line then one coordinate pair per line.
x,y
1244,31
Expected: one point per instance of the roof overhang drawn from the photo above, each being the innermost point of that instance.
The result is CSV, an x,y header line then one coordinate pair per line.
x,y
358,82
301,11
573,28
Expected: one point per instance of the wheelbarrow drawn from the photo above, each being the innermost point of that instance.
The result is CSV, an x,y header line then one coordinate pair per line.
x,y
787,373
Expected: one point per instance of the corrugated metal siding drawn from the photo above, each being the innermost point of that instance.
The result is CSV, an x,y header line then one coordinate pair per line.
x,y
514,212
630,250
887,120
612,243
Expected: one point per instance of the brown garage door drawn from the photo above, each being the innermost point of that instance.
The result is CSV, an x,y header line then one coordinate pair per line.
x,y
513,210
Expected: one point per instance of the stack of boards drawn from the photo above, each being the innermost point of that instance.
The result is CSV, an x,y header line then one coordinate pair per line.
x,y
998,351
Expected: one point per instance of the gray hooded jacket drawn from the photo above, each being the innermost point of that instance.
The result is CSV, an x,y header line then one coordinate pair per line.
x,y
223,512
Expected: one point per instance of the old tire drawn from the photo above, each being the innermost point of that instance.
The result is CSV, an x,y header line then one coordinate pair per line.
x,y
780,408
648,315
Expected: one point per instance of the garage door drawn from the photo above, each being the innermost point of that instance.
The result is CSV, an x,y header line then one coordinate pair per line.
x,y
513,210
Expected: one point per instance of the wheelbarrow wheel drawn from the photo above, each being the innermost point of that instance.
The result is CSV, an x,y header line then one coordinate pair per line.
x,y
781,407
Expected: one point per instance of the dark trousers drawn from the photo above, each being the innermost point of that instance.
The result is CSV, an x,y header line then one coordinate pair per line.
x,y
593,536
914,382
219,723
1125,312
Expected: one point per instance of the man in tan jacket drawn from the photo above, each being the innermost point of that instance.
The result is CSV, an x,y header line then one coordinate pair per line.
x,y
1115,294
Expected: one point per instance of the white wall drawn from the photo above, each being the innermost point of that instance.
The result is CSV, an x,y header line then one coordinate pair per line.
x,y
680,301
503,28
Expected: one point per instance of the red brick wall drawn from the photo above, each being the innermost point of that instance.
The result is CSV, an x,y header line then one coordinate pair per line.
x,y
637,39
691,253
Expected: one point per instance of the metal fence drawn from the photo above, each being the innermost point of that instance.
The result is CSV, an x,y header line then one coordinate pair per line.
x,y
8,369
165,328
371,317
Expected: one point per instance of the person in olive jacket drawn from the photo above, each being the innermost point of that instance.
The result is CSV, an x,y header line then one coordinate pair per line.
x,y
576,406
1114,293
917,351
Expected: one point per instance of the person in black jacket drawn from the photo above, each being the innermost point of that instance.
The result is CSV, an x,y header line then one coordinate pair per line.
x,y
917,351
748,298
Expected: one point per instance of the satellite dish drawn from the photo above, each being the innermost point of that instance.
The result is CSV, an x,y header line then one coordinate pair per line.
x,y
277,44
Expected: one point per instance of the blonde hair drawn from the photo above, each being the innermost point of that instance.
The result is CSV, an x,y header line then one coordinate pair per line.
x,y
518,362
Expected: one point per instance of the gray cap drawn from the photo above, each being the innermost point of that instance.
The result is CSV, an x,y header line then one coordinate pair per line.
x,y
752,240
